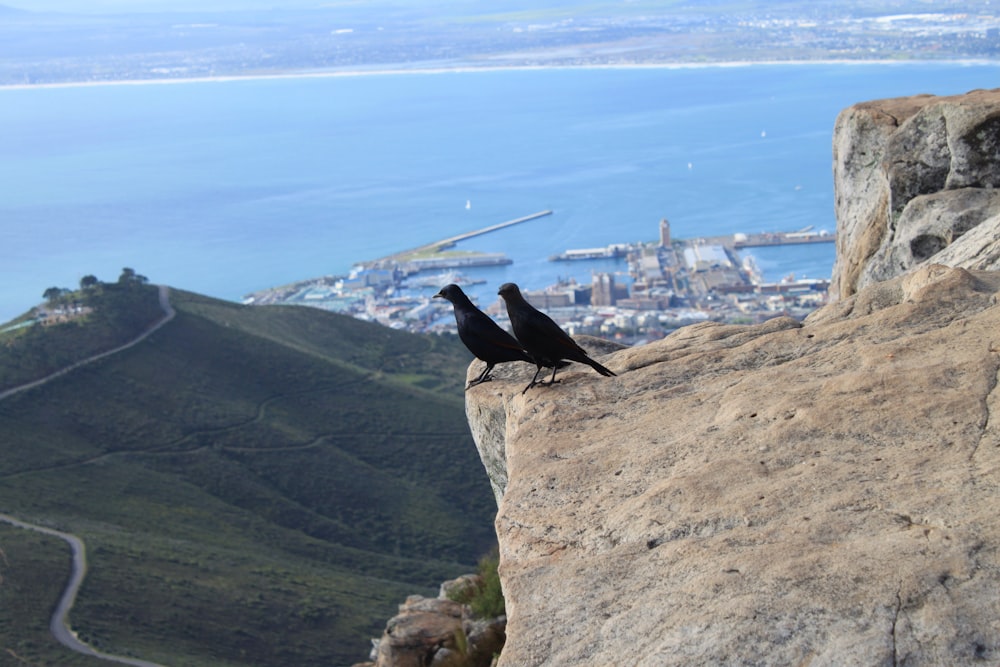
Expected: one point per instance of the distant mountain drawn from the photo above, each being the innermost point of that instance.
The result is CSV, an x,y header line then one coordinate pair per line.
x,y
255,485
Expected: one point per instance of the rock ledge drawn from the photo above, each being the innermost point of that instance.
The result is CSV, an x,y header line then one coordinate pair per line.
x,y
821,493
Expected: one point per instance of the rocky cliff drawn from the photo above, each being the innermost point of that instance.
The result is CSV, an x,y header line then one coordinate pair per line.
x,y
816,493
915,182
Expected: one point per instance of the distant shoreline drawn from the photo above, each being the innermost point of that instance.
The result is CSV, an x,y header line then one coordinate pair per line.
x,y
464,69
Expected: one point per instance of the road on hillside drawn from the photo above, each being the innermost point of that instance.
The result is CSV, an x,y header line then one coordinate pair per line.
x,y
59,624
169,313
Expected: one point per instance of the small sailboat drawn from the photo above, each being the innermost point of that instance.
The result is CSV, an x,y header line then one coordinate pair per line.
x,y
468,204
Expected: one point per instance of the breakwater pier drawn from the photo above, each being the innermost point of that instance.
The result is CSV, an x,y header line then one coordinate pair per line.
x,y
431,252
451,241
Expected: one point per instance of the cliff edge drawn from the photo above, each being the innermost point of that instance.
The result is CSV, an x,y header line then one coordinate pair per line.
x,y
821,493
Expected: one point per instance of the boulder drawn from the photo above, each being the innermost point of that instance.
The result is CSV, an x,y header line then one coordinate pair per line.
x,y
439,632
822,492
915,183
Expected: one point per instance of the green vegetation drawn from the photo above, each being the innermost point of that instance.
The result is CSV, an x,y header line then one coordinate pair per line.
x,y
486,600
101,316
489,602
33,572
255,485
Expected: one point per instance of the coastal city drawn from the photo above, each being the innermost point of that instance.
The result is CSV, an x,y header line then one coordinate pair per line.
x,y
143,46
669,283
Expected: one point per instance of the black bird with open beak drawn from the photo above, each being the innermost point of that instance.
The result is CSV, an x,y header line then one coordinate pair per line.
x,y
543,339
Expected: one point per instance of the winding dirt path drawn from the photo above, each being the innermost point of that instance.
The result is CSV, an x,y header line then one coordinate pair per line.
x,y
59,624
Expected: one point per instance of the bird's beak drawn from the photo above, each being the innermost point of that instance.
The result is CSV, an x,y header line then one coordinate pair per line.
x,y
438,296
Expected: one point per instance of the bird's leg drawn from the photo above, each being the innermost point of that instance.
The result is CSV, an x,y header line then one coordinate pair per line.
x,y
483,377
552,380
533,380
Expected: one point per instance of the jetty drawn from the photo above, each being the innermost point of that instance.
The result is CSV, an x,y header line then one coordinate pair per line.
x,y
451,241
427,251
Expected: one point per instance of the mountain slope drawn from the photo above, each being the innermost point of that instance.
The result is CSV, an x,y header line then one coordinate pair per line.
x,y
255,486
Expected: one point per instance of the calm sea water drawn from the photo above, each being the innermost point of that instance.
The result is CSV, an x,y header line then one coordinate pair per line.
x,y
232,186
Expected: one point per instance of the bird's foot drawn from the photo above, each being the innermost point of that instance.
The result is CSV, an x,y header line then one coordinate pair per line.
x,y
540,383
473,383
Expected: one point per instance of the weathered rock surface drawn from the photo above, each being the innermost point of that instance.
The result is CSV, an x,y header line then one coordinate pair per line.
x,y
439,632
490,426
915,182
818,493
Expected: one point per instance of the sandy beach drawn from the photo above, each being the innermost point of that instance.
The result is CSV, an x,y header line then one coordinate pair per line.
x,y
396,71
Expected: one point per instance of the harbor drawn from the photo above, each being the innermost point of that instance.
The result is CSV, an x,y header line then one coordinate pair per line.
x,y
636,291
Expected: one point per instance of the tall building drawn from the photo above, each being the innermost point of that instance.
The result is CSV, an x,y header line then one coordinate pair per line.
x,y
664,233
603,293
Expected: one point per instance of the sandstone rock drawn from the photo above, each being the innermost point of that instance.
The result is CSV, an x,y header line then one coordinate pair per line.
x,y
821,493
913,177
489,426
461,587
439,632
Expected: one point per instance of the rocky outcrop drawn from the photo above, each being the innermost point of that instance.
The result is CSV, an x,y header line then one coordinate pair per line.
x,y
821,493
439,632
915,182
491,427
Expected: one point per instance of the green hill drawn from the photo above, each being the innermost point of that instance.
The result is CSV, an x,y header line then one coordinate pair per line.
x,y
255,486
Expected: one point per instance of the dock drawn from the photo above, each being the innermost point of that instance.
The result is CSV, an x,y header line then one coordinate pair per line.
x,y
741,240
781,238
736,241
451,241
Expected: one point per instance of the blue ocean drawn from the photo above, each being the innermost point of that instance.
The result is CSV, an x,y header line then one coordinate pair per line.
x,y
227,187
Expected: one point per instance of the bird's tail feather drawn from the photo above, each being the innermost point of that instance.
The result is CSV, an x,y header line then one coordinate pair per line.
x,y
599,368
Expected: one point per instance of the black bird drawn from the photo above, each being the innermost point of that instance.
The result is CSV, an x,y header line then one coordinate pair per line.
x,y
541,337
484,337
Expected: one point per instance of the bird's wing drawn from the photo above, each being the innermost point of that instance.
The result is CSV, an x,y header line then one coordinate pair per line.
x,y
481,334
541,325
487,329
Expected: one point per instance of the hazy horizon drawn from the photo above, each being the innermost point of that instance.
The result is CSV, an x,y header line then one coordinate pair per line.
x,y
175,6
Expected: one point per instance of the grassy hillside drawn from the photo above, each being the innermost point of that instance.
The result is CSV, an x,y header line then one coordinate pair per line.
x,y
255,486
119,313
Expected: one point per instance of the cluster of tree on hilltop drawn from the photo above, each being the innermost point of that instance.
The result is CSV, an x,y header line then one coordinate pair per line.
x,y
57,296
97,317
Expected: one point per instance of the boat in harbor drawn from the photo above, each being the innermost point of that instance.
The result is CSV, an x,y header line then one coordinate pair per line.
x,y
610,252
439,280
